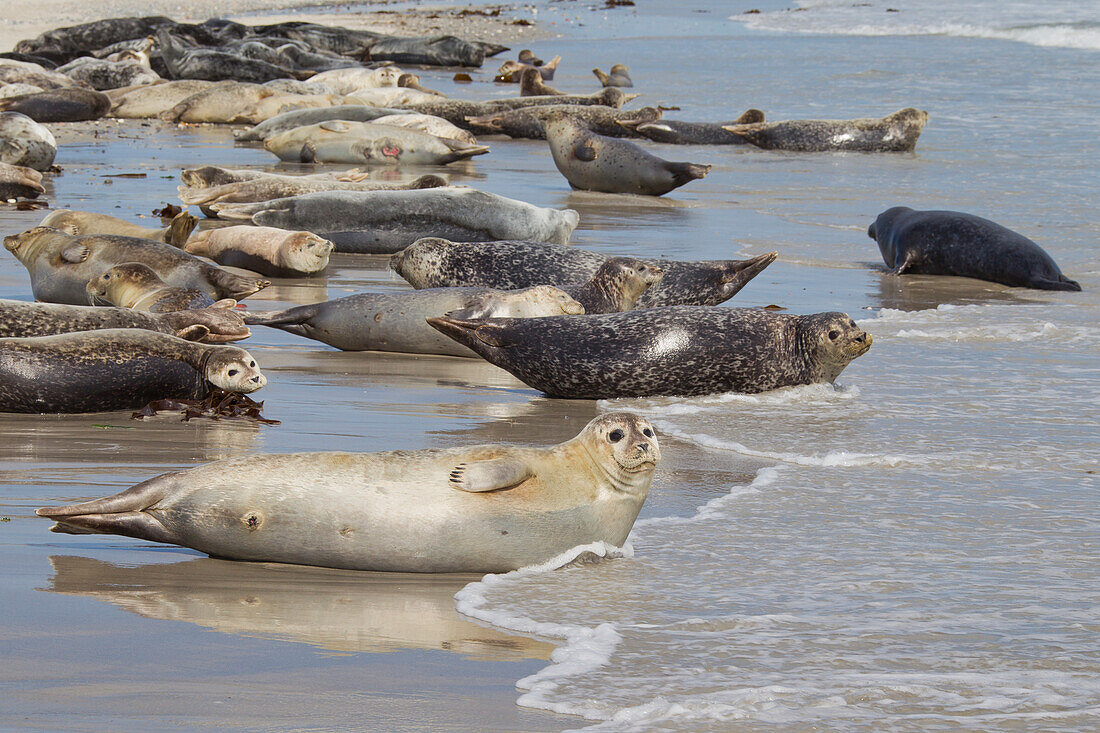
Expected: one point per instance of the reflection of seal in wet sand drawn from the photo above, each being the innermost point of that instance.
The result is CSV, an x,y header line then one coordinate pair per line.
x,y
436,263
596,163
266,250
212,325
396,321
954,243
60,265
896,133
487,508
136,286
116,369
678,351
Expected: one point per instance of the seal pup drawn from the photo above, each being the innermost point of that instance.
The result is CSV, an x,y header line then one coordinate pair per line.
x,y
530,85
483,509
354,79
383,222
60,265
396,321
59,105
135,286
618,77
433,262
24,142
896,133
215,325
954,243
524,123
116,369
19,182
675,351
693,133
266,250
85,222
338,141
615,286
596,163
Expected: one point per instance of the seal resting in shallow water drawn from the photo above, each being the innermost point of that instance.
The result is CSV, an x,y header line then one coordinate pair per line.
x,y
896,133
954,243
115,369
677,351
483,509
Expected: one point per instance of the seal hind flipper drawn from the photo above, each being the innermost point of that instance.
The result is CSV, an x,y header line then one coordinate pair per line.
x,y
128,524
75,254
231,285
743,271
584,151
180,229
308,153
1064,284
490,475
684,172
466,331
194,332
123,513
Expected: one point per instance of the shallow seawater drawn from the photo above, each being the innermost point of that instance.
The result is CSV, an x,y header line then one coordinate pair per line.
x,y
912,549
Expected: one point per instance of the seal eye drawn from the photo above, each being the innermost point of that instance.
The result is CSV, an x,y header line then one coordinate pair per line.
x,y
615,436
647,432
833,335
232,372
252,364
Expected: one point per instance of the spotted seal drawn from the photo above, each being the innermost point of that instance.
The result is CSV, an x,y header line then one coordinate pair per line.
x,y
266,250
86,222
896,133
484,509
677,351
116,369
593,162
215,325
433,262
524,123
954,243
136,286
531,85
693,133
60,264
396,321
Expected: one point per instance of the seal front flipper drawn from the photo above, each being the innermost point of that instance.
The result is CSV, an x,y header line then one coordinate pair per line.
x,y
75,254
180,229
491,475
124,513
584,151
912,259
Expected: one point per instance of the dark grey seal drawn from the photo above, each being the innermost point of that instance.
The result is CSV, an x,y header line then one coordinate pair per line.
x,y
524,123
211,325
676,132
59,105
619,76
116,369
896,133
434,263
677,351
213,65
954,243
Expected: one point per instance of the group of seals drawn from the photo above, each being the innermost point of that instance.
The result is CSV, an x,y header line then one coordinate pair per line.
x,y
484,509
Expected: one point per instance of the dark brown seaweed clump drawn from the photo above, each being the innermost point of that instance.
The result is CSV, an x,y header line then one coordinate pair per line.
x,y
217,405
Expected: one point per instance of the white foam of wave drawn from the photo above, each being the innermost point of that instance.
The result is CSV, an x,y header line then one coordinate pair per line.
x,y
1034,24
714,507
975,323
811,395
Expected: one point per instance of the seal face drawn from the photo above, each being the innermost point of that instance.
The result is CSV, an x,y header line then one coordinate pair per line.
x,y
955,243
596,163
676,351
487,508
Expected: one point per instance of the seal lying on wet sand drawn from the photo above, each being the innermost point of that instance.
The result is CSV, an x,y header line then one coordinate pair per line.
x,y
954,243
85,222
116,369
383,222
693,133
302,117
214,325
17,181
484,509
896,133
524,123
266,250
433,263
24,142
680,351
596,163
60,265
133,285
266,187
396,321
338,141
59,105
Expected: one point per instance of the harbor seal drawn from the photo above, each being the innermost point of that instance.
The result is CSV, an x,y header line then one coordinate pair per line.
x,y
483,509
302,117
675,351
954,243
60,265
198,190
101,74
266,250
433,263
676,132
531,85
19,182
72,104
24,142
136,286
85,222
383,222
510,71
619,76
116,369
338,141
150,101
396,321
215,325
524,123
896,133
593,162
615,286
430,124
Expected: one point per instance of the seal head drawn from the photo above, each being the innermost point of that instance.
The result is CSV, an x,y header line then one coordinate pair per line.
x,y
233,369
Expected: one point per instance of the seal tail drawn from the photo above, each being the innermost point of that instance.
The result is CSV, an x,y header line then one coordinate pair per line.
x,y
180,229
474,334
461,150
124,513
741,272
231,285
684,172
279,319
